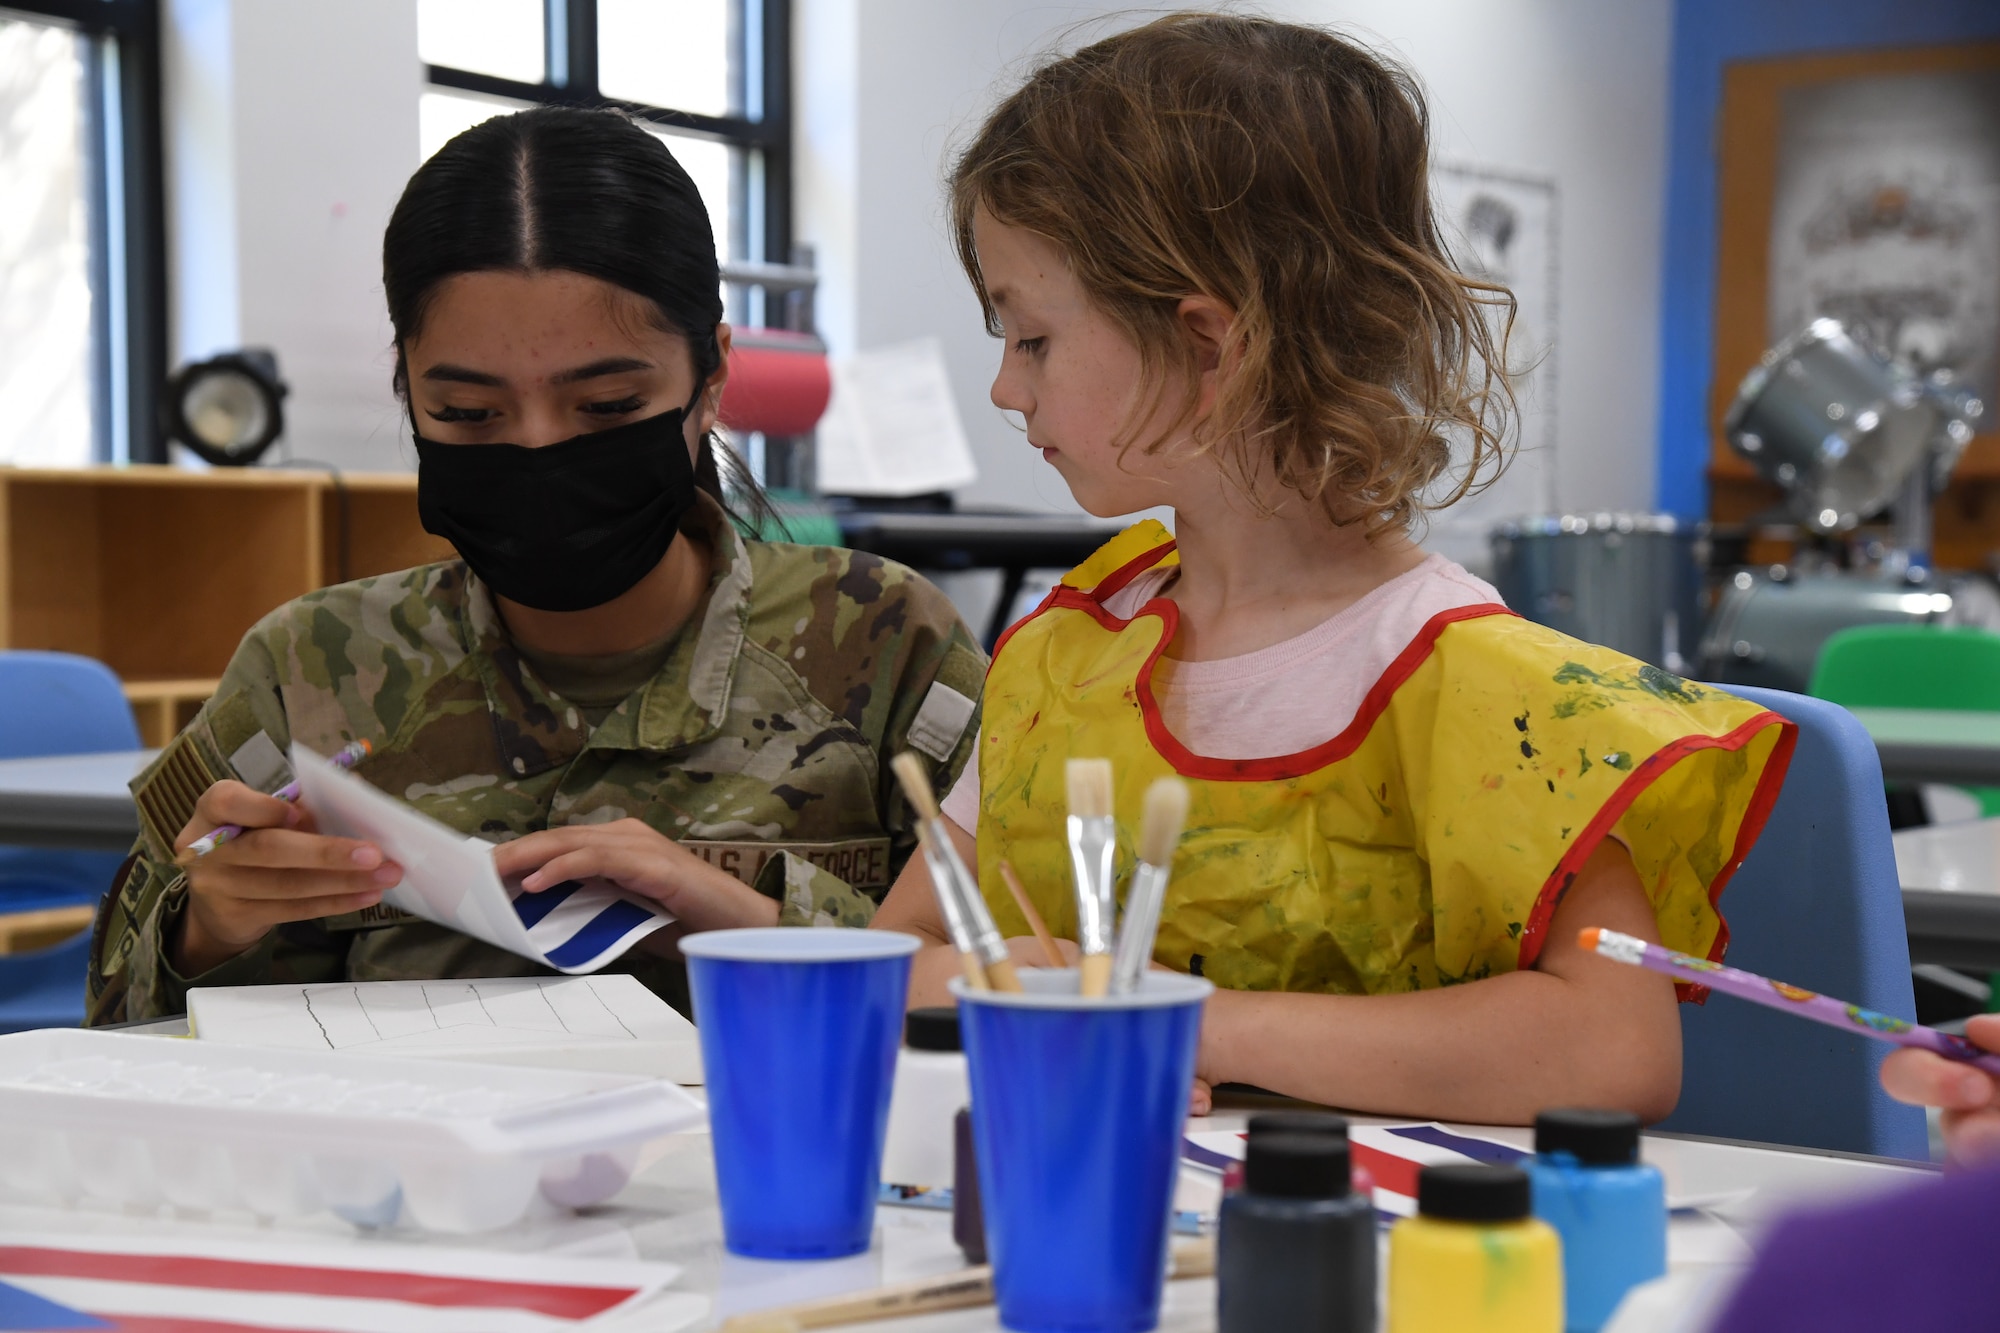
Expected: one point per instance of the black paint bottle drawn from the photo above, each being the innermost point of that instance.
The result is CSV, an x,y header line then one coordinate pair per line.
x,y
1297,1246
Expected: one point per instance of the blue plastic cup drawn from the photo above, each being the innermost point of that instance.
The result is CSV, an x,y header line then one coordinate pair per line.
x,y
1078,1107
799,1032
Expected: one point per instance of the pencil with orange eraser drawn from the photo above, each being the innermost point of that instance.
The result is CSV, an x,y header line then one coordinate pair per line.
x,y
981,948
1786,999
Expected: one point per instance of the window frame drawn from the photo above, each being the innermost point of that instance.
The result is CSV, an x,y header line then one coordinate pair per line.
x,y
570,79
128,233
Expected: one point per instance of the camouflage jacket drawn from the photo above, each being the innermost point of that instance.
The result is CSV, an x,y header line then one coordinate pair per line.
x,y
763,744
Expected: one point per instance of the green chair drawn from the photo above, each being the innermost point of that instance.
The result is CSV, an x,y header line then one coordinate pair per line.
x,y
1914,666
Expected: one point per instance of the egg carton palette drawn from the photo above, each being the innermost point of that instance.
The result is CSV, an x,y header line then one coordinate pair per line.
x,y
116,1119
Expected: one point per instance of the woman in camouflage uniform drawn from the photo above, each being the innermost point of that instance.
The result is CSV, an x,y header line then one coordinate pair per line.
x,y
612,682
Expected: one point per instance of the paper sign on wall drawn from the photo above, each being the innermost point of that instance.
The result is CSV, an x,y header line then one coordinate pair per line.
x,y
893,426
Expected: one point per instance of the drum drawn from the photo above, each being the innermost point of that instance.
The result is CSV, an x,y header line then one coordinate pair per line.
x,y
1768,631
1628,581
1840,427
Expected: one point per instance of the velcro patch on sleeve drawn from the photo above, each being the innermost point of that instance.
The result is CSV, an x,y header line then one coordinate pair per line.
x,y
941,722
260,763
166,793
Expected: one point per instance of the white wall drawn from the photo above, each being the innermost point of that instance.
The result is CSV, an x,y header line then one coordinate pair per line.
x,y
886,87
1570,89
291,130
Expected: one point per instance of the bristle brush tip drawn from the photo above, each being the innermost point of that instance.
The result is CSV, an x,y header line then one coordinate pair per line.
x,y
1165,817
1089,787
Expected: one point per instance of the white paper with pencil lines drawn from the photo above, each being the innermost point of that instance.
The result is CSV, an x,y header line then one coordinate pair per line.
x,y
435,1017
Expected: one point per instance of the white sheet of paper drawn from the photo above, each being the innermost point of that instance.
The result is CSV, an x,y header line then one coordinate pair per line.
x,y
892,427
609,1022
449,878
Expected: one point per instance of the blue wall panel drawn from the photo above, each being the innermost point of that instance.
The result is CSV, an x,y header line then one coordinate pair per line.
x,y
1708,34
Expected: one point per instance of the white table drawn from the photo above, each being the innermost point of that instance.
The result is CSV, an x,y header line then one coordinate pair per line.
x,y
74,800
669,1213
1950,875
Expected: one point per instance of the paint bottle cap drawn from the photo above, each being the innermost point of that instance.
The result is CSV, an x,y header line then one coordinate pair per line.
x,y
932,1029
1299,1122
1297,1166
1595,1138
1473,1193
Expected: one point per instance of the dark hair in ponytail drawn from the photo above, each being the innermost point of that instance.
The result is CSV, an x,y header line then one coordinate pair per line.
x,y
585,191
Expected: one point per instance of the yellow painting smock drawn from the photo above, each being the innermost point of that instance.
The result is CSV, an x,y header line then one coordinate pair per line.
x,y
1427,844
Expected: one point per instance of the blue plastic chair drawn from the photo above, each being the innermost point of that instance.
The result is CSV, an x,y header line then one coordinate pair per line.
x,y
54,703
44,989
1816,904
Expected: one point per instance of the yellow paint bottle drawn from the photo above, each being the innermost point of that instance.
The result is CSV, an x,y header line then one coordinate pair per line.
x,y
1474,1259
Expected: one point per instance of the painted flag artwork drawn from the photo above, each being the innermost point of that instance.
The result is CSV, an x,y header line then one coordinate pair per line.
x,y
1391,1154
449,878
137,1284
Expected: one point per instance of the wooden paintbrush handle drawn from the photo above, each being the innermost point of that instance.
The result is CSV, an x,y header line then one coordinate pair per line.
x,y
1095,974
1001,976
1035,922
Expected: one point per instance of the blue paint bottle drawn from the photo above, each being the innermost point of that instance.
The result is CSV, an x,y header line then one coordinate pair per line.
x,y
1609,1208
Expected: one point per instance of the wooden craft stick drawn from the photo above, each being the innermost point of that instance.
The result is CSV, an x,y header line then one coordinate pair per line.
x,y
1035,922
954,1291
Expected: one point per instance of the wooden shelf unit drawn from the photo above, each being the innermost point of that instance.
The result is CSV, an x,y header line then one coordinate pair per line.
x,y
25,932
158,571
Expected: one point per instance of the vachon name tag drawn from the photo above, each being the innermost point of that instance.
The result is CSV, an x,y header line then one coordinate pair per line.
x,y
862,863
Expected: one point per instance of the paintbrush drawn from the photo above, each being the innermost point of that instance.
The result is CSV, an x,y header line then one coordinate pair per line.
x,y
981,949
954,1291
1035,922
1159,834
1093,839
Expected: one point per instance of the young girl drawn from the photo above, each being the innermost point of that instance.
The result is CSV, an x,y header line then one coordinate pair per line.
x,y
611,682
1209,245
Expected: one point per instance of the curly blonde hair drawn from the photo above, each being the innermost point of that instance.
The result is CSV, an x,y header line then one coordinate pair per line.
x,y
1281,170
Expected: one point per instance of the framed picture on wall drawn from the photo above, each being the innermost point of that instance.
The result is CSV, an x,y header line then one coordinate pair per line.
x,y
1865,186
1502,226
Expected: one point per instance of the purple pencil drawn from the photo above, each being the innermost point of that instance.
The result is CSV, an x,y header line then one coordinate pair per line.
x,y
1785,999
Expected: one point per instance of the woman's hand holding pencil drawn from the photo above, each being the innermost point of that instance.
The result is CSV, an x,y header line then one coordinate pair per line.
x,y
274,867
349,756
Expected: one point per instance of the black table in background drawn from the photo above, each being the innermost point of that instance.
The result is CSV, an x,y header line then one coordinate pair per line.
x,y
1013,543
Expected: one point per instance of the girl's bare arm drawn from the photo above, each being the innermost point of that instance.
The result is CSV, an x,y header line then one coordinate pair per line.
x,y
1574,1030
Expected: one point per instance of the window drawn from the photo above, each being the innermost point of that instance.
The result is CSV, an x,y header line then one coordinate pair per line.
x,y
82,244
710,77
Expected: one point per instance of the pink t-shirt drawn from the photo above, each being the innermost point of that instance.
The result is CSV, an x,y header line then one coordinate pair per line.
x,y
1291,696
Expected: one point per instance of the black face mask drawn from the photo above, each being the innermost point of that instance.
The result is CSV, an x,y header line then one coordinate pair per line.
x,y
567,526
